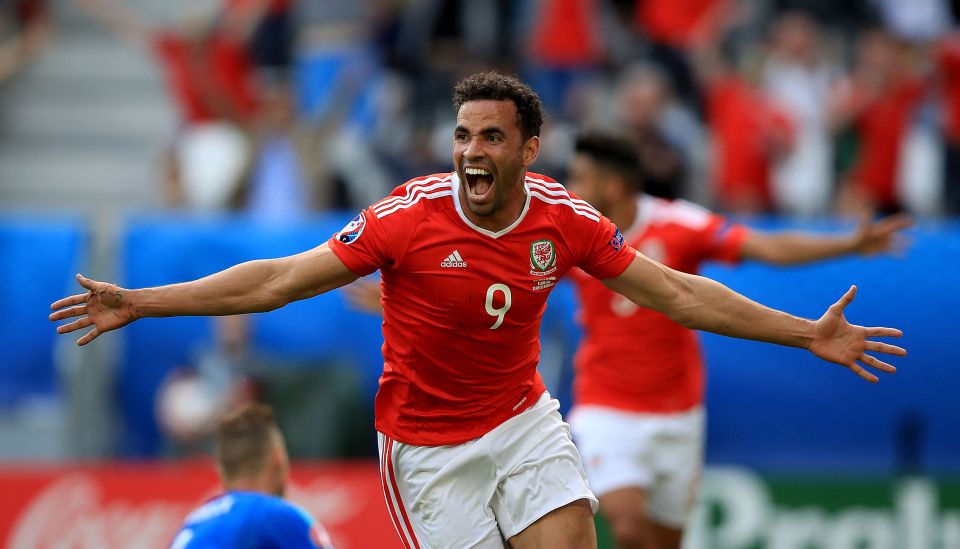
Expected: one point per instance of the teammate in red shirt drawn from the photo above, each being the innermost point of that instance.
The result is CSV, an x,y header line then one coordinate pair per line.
x,y
206,65
642,439
467,260
211,78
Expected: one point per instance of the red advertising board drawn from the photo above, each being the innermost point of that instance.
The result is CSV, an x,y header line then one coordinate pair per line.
x,y
141,506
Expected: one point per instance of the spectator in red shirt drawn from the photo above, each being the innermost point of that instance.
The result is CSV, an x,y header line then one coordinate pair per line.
x,y
564,46
948,61
749,131
211,77
876,102
673,29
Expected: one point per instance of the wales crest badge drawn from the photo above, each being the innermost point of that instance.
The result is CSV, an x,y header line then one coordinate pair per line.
x,y
543,257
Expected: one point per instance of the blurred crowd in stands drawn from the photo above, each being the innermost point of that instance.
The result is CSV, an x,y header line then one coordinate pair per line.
x,y
802,107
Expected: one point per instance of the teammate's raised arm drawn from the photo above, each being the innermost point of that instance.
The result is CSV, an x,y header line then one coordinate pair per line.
x,y
703,304
794,247
251,287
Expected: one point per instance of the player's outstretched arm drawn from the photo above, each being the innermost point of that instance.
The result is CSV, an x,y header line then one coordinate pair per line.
x,y
703,304
251,287
792,248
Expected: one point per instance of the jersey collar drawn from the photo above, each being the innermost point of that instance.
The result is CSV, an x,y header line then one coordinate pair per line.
x,y
455,181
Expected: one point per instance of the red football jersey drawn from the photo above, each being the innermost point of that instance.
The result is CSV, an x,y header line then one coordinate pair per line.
x,y
634,358
462,305
214,82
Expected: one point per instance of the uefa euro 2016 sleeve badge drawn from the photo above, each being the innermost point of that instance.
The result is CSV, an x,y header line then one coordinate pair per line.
x,y
617,241
353,230
543,257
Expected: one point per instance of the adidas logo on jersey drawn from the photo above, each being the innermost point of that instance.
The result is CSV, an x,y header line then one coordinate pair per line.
x,y
453,260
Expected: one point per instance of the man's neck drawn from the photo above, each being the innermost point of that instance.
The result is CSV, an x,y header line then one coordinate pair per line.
x,y
623,213
507,215
259,485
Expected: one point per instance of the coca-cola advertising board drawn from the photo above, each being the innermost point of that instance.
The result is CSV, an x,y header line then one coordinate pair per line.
x,y
141,506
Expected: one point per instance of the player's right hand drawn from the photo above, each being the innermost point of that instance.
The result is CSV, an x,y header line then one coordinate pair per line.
x,y
104,306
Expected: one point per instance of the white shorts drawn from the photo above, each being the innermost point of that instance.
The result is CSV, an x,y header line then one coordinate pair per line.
x,y
480,493
660,453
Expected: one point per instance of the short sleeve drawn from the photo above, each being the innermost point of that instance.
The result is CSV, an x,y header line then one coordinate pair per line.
x,y
362,244
378,236
604,254
723,240
289,526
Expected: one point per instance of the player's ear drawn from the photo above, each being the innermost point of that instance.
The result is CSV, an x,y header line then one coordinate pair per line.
x,y
279,466
617,188
531,150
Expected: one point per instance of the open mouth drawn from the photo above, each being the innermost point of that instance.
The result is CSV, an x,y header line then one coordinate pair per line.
x,y
479,183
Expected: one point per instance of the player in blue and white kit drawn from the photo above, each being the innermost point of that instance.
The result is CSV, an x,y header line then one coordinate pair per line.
x,y
252,514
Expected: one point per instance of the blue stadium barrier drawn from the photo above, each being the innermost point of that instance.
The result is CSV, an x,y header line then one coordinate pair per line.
x,y
780,409
38,258
769,407
776,408
162,250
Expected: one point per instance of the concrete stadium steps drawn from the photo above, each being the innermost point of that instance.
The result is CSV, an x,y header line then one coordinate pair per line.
x,y
91,182
84,126
81,131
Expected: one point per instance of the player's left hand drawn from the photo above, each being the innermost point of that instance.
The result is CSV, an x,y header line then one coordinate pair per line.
x,y
882,236
104,306
836,340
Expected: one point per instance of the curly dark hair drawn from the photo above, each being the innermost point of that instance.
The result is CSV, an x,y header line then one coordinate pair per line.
x,y
503,87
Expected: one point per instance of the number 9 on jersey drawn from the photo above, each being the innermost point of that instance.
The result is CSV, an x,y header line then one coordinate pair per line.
x,y
499,312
